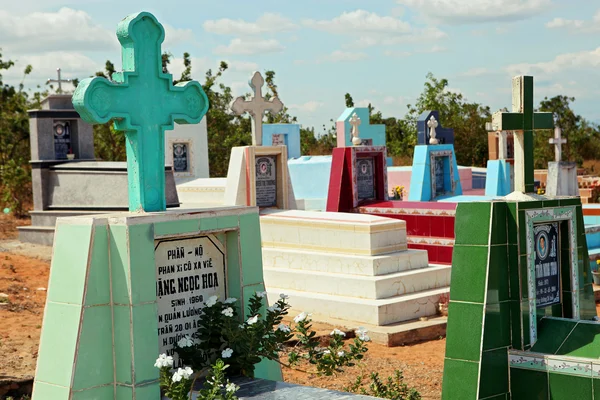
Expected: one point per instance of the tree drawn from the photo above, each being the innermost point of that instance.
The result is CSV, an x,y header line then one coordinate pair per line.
x,y
349,100
467,120
15,173
582,137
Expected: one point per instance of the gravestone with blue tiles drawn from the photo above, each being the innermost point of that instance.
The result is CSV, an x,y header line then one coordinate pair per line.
x,y
371,135
521,318
283,135
125,287
443,135
434,170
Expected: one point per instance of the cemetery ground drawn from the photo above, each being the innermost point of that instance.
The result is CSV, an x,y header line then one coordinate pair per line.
x,y
24,270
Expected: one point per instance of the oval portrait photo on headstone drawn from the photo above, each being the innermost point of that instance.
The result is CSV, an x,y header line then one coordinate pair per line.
x,y
541,245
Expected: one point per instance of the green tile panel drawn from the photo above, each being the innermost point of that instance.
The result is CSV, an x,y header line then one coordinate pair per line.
x,y
472,223
468,275
497,326
464,334
460,381
569,387
552,332
584,341
494,373
528,385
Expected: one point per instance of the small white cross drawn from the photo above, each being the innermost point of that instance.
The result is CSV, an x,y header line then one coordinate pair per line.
x,y
59,80
432,124
557,141
256,107
355,122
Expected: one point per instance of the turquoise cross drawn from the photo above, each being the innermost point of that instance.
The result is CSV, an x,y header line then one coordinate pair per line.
x,y
523,121
143,102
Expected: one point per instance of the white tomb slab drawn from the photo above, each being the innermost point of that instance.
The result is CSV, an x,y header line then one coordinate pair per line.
x,y
350,267
186,149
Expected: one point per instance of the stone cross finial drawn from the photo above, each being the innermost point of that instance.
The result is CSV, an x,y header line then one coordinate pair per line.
x,y
355,122
256,107
59,80
432,124
523,120
557,141
144,103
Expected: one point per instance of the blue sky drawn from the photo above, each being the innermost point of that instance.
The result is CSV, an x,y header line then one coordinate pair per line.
x,y
379,51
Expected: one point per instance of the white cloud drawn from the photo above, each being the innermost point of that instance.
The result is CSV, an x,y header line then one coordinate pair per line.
x,y
360,22
364,103
268,22
243,66
309,106
199,67
345,56
371,29
174,36
64,30
73,65
389,100
471,11
576,25
250,46
563,62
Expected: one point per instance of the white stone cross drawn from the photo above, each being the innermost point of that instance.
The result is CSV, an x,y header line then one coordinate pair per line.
x,y
59,81
432,124
557,141
256,107
355,122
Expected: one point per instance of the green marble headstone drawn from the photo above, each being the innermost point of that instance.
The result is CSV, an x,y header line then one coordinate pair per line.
x,y
124,287
143,102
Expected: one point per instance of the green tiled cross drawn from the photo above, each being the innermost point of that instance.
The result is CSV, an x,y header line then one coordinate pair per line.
x,y
143,102
523,121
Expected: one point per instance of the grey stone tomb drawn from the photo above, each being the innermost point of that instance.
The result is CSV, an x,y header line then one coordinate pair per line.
x,y
67,180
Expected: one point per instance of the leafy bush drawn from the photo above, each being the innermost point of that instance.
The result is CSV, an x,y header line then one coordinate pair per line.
x,y
394,388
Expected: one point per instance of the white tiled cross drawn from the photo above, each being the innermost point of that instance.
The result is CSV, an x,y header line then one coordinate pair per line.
x,y
256,107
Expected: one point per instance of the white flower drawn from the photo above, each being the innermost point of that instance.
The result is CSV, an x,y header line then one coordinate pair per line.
x,y
187,372
261,294
177,376
301,317
185,342
252,320
327,352
230,300
337,332
341,353
164,361
362,334
228,312
226,353
231,387
274,307
284,328
212,300
284,296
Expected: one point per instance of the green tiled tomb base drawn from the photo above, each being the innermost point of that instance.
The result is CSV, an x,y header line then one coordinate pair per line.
x,y
99,336
492,316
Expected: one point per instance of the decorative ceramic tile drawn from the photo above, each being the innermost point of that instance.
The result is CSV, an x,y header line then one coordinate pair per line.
x,y
552,363
535,216
521,359
562,365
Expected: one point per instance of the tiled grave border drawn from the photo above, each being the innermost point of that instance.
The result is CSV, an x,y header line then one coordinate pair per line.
x,y
578,366
549,215
432,156
407,211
